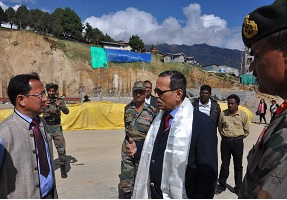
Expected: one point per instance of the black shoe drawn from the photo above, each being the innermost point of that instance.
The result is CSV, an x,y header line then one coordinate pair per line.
x,y
219,189
63,172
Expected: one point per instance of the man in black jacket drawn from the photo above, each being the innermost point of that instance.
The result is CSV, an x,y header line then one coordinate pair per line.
x,y
206,104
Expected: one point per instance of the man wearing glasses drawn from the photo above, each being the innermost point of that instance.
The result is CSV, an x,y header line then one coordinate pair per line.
x,y
26,151
138,118
52,115
179,156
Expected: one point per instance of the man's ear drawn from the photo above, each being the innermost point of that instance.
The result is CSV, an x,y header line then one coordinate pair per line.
x,y
179,94
21,100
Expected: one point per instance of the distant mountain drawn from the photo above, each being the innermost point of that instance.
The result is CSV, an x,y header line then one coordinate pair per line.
x,y
205,54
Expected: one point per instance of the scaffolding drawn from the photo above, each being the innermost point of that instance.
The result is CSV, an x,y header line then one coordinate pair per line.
x,y
247,59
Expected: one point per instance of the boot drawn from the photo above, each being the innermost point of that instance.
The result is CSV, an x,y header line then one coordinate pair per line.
x,y
125,195
63,172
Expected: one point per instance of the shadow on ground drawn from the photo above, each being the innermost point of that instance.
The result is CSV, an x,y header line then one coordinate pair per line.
x,y
69,159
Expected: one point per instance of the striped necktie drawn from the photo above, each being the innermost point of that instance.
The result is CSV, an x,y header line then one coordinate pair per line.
x,y
40,144
166,122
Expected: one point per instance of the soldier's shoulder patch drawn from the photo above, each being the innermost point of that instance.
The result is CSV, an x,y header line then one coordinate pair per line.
x,y
128,114
153,109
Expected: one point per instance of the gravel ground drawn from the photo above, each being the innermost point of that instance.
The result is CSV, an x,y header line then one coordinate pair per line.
x,y
94,164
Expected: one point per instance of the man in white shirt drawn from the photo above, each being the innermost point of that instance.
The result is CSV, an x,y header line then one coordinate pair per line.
x,y
206,104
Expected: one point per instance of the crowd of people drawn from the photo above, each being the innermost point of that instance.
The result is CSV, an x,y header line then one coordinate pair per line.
x,y
170,144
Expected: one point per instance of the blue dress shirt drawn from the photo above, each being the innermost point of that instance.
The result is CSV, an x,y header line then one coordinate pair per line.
x,y
172,113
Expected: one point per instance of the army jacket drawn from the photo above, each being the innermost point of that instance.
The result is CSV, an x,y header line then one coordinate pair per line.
x,y
266,175
137,123
53,113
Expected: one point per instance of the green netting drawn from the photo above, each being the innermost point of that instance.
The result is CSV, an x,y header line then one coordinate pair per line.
x,y
248,79
98,57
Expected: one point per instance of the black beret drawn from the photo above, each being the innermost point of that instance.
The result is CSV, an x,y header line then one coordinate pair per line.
x,y
264,21
51,85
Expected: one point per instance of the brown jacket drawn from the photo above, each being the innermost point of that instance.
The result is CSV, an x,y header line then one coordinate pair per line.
x,y
18,175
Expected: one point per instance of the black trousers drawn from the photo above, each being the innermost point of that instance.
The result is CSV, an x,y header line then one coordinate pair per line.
x,y
230,147
262,116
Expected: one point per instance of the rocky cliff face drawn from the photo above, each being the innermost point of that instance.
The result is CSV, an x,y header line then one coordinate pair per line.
x,y
25,52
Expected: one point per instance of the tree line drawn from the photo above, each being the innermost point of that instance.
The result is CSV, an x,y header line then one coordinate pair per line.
x,y
62,23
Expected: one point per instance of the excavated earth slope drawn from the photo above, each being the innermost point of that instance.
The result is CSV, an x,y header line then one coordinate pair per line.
x,y
25,52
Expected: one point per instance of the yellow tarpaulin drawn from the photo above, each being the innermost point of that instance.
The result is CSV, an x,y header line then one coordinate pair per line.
x,y
88,116
99,115
94,115
223,106
5,113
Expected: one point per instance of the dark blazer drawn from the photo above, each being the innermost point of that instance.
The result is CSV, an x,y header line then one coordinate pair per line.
x,y
202,168
153,101
201,171
214,110
153,104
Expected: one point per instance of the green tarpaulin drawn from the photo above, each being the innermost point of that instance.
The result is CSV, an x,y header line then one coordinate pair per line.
x,y
98,57
248,79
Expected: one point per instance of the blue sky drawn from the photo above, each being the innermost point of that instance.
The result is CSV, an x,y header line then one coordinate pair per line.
x,y
214,22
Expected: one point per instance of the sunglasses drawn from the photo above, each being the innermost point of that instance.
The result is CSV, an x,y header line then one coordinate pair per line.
x,y
161,92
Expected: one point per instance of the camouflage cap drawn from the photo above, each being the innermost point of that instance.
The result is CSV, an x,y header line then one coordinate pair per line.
x,y
51,85
264,21
139,85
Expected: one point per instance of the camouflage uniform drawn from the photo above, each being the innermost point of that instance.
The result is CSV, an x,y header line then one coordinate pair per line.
x,y
136,127
266,175
52,115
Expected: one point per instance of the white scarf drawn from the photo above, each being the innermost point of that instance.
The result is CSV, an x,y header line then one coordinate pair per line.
x,y
175,155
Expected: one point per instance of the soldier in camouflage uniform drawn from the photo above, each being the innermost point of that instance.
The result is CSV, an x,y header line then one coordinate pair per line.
x,y
52,115
138,118
265,31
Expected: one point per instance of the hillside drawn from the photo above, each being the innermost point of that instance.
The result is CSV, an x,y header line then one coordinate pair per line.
x,y
67,64
206,54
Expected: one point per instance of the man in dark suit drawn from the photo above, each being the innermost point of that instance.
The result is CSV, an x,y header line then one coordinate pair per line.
x,y
179,157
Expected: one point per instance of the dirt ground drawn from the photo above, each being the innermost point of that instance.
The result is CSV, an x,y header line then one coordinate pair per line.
x,y
94,164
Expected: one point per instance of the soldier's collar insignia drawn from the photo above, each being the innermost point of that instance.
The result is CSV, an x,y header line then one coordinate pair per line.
x,y
250,28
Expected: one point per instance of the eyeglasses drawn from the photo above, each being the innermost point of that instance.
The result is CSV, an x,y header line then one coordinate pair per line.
x,y
41,95
161,92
